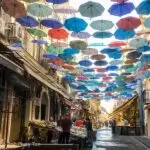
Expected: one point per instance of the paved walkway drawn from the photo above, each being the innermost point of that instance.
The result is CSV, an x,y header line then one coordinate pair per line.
x,y
107,141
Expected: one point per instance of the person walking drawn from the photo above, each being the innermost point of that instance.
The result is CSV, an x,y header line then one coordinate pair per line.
x,y
113,124
66,125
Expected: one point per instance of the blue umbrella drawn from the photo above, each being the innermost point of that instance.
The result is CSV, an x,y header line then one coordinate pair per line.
x,y
17,44
109,50
81,35
75,24
81,87
111,68
124,34
51,23
99,75
126,74
145,58
102,35
88,70
49,56
113,74
120,9
85,63
145,48
40,42
100,63
97,44
116,62
57,1
143,8
147,22
28,21
71,51
115,55
65,56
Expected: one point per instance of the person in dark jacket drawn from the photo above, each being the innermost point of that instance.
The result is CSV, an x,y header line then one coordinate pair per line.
x,y
66,124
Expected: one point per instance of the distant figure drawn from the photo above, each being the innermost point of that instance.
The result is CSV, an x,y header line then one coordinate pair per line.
x,y
50,132
59,121
66,124
113,124
79,123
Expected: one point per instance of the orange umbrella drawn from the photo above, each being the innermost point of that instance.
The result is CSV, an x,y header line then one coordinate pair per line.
x,y
14,8
58,34
57,61
131,61
127,50
68,67
98,57
117,44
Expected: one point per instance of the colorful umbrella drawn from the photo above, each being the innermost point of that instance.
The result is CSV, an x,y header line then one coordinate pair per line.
x,y
100,63
119,1
30,1
116,62
81,35
129,23
121,34
102,35
40,42
90,51
39,10
66,57
143,8
71,51
133,55
28,21
102,25
37,32
58,34
85,63
14,8
68,67
65,10
109,50
131,61
147,22
77,44
145,58
144,48
49,56
97,44
57,1
57,61
127,66
113,74
117,44
98,57
115,55
54,66
54,50
137,42
121,9
81,77
91,9
88,70
124,50
75,24
111,68
51,23
59,44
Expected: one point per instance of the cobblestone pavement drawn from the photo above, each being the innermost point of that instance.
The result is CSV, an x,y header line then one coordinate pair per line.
x,y
107,141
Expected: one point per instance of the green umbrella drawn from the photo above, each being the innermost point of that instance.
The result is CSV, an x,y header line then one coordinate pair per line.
x,y
39,10
127,66
37,32
77,44
54,50
30,1
102,25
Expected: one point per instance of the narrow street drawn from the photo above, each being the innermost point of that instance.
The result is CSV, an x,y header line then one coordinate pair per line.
x,y
107,141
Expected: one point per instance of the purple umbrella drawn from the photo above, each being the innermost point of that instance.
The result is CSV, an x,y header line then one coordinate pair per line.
x,y
39,42
65,10
81,35
51,23
57,1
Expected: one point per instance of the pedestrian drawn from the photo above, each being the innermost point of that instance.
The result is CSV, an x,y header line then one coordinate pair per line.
x,y
88,125
113,124
66,125
59,121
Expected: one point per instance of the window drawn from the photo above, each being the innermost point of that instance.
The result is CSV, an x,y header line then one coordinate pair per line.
x,y
43,112
37,111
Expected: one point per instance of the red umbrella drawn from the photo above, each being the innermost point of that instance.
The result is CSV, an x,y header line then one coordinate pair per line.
x,y
14,8
68,67
117,44
57,61
101,70
58,34
107,78
129,23
119,1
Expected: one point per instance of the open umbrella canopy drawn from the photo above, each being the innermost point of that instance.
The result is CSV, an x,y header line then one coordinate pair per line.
x,y
144,48
57,1
138,42
60,44
75,24
65,10
145,58
129,23
90,51
133,55
98,57
31,1
57,61
119,1
147,22
85,63
71,51
78,44
54,50
116,62
68,67
49,56
51,23
121,34
91,9
65,56
102,25
14,8
143,8
111,68
121,9
39,10
115,55
117,44
40,42
81,35
109,50
100,63
28,21
131,61
37,32
102,35
58,33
